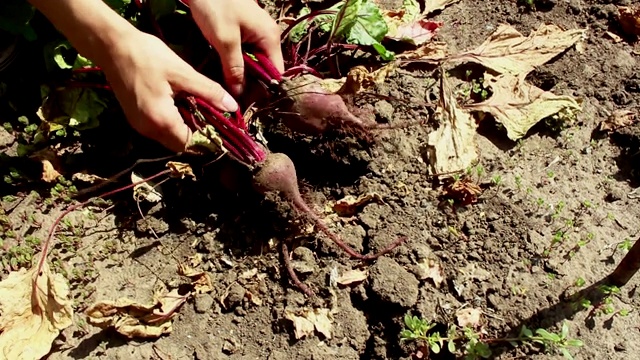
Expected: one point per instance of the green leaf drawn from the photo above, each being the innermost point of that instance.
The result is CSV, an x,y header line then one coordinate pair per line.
x,y
526,332
160,8
451,346
575,343
483,350
547,335
435,348
383,52
565,330
360,22
300,30
567,355
78,108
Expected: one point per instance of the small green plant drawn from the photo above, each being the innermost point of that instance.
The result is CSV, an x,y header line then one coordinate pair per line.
x,y
472,345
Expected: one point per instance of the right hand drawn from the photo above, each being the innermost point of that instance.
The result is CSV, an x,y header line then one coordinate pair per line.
x,y
145,75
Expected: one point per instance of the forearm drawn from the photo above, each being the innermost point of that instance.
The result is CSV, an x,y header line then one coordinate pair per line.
x,y
91,26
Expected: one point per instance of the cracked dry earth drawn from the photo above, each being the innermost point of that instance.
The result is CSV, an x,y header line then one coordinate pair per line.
x,y
492,253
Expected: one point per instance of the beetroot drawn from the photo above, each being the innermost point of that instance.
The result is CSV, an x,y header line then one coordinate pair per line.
x,y
312,109
277,173
303,104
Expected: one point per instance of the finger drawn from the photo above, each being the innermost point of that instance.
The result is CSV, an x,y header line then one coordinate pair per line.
x,y
191,81
169,129
267,40
229,48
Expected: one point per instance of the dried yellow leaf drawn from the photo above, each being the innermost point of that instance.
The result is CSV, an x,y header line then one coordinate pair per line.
x,y
508,51
135,320
350,205
519,105
31,321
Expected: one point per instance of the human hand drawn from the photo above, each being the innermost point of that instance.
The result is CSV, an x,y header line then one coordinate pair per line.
x,y
145,75
227,24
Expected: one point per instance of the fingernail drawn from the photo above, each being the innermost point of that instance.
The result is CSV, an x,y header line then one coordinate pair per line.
x,y
229,103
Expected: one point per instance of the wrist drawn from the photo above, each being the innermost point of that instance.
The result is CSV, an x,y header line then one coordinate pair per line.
x,y
91,26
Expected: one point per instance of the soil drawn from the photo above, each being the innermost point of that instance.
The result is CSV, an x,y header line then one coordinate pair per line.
x,y
492,252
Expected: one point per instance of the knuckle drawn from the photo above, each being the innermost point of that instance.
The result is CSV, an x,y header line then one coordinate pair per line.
x,y
236,73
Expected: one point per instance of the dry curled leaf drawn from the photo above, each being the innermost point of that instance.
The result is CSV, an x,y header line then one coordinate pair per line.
x,y
205,141
431,269
135,320
433,52
180,170
618,120
630,19
89,178
463,191
144,190
350,205
200,280
508,51
49,173
451,147
352,277
519,105
29,324
310,321
469,317
360,79
431,6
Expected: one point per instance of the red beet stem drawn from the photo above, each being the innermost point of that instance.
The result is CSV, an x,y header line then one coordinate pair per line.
x,y
298,69
292,274
302,206
258,70
268,66
87,69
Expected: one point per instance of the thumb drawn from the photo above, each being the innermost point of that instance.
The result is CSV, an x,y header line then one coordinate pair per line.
x,y
170,129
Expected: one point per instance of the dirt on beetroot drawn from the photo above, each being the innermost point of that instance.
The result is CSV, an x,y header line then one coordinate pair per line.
x,y
549,216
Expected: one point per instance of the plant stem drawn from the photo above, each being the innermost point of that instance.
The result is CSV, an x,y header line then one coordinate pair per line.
x,y
47,242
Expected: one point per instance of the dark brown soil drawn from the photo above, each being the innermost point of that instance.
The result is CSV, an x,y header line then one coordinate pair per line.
x,y
492,252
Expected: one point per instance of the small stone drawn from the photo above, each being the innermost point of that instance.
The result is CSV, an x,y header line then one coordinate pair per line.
x,y
369,220
393,284
229,346
235,296
203,303
384,110
620,346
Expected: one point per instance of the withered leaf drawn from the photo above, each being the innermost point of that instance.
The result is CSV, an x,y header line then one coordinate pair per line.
x,y
352,277
519,105
431,6
451,147
431,269
144,190
508,51
619,119
180,170
311,320
468,317
31,321
135,320
350,205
